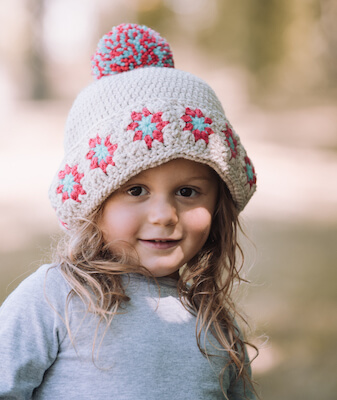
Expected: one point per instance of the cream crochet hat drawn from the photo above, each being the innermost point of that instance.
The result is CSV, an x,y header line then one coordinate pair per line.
x,y
142,112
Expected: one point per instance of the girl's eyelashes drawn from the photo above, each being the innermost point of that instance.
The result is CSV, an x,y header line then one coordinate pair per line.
x,y
137,191
187,192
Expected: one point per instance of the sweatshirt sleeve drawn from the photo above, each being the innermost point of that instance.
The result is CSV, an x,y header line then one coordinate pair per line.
x,y
239,390
31,331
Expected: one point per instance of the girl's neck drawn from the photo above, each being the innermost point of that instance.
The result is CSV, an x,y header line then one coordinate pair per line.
x,y
175,275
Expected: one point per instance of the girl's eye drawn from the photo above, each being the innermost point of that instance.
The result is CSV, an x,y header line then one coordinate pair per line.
x,y
186,192
137,191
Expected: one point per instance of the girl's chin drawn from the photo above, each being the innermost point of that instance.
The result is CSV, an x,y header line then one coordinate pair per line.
x,y
161,272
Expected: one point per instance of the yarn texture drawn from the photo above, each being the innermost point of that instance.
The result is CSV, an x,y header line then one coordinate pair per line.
x,y
139,117
130,46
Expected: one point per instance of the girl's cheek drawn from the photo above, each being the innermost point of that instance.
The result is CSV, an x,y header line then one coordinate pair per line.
x,y
200,218
118,223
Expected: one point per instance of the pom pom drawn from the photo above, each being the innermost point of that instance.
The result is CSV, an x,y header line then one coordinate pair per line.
x,y
130,46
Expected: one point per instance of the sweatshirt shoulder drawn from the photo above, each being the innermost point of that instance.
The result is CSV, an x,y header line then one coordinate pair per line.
x,y
46,284
49,278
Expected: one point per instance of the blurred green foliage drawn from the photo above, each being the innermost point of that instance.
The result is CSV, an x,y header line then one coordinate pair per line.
x,y
285,46
270,38
296,272
250,31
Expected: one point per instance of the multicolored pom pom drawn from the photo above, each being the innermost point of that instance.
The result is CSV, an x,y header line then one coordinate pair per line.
x,y
130,46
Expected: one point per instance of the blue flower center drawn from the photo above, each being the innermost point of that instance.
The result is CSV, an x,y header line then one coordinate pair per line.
x,y
231,143
68,183
199,123
146,126
101,152
250,172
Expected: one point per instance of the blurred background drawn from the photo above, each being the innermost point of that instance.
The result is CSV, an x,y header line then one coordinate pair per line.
x,y
273,65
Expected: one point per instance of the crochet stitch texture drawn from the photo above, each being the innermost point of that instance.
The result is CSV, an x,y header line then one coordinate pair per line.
x,y
127,122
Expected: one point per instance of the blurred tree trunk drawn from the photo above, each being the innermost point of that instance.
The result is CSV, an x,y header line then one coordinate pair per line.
x,y
36,62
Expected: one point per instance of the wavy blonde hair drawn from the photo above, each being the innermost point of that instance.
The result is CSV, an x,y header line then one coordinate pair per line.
x,y
205,285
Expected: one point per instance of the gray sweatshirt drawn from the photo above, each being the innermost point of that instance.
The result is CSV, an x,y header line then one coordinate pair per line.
x,y
148,352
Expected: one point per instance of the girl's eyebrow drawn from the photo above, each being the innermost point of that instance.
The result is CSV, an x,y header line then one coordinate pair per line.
x,y
199,178
183,179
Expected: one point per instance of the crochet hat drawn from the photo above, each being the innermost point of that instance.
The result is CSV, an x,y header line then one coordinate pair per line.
x,y
139,113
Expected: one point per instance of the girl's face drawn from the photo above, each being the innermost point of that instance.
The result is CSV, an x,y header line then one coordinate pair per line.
x,y
164,213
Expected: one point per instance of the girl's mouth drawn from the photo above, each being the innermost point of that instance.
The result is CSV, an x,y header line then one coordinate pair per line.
x,y
160,244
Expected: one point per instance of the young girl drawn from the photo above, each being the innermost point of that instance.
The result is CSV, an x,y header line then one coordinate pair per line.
x,y
137,304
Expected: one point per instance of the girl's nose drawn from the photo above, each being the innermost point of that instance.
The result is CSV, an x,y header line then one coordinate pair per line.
x,y
162,212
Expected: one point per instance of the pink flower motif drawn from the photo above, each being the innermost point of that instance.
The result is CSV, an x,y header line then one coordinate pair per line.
x,y
232,142
198,124
147,126
64,224
70,186
101,153
250,172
